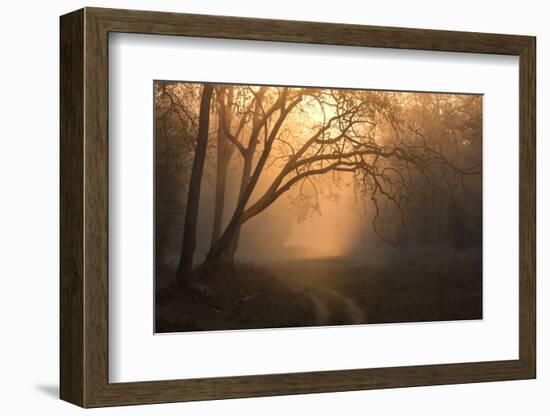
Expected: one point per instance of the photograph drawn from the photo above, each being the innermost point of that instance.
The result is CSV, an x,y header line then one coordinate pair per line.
x,y
251,208
285,206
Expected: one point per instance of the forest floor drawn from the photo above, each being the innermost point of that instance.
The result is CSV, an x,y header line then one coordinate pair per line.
x,y
224,297
412,287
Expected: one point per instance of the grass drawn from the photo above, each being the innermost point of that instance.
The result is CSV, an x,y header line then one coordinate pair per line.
x,y
409,286
236,296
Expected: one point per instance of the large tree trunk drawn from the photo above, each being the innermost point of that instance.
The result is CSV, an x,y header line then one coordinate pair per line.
x,y
221,246
193,196
222,165
224,154
229,253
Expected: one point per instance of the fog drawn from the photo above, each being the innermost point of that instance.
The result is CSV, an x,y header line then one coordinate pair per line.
x,y
287,231
279,206
339,213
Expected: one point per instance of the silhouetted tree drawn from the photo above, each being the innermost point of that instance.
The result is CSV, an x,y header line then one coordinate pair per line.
x,y
193,196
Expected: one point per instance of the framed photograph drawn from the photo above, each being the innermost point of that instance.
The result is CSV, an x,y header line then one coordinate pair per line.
x,y
256,207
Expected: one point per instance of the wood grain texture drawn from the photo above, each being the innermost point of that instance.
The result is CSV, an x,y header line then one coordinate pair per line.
x,y
527,207
96,216
84,207
71,199
225,27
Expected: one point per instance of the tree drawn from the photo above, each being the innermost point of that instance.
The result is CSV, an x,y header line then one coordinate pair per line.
x,y
364,136
228,141
191,215
176,117
249,177
224,152
393,145
444,201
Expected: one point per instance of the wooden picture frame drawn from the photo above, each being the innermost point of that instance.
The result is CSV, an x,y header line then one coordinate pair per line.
x,y
84,207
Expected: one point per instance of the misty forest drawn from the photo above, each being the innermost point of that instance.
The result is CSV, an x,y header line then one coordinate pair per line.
x,y
289,207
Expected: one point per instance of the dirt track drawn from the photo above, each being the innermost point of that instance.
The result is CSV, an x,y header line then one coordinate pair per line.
x,y
331,306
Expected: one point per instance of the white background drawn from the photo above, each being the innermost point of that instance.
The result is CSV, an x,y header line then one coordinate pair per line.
x,y
29,209
136,355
